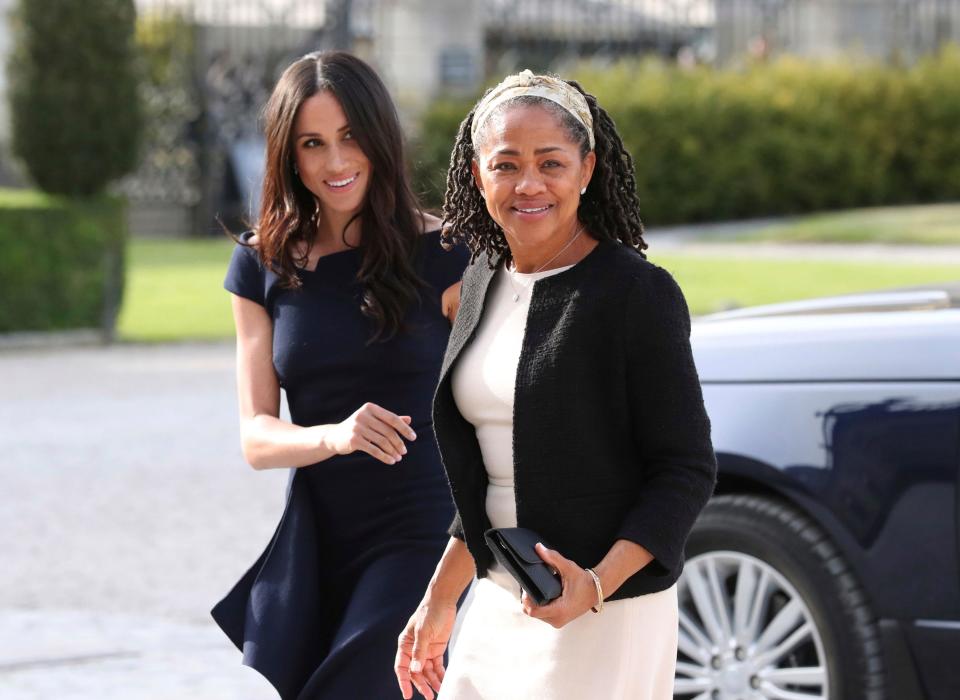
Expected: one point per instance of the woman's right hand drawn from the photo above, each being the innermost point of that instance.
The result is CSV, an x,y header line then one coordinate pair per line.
x,y
420,649
373,430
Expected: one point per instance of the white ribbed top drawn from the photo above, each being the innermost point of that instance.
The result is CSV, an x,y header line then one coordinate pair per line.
x,y
484,380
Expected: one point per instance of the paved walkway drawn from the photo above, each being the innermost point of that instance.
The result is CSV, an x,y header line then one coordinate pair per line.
x,y
126,511
865,253
715,240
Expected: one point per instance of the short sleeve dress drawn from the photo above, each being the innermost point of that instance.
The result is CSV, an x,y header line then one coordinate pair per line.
x,y
319,613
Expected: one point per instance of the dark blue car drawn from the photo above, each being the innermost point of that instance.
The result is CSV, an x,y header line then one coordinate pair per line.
x,y
826,566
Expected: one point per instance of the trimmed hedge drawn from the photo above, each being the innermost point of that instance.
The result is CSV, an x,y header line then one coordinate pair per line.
x,y
62,262
779,138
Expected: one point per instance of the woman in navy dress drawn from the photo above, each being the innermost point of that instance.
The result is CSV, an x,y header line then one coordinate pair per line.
x,y
342,297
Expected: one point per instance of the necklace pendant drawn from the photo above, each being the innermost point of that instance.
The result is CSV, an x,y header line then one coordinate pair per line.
x,y
516,297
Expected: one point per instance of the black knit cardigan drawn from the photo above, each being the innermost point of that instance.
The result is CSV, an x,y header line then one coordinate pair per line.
x,y
610,436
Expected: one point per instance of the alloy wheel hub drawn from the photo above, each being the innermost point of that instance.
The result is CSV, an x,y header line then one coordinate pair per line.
x,y
734,679
745,633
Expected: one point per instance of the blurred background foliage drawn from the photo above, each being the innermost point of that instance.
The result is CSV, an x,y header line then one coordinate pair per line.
x,y
74,93
784,137
63,261
76,125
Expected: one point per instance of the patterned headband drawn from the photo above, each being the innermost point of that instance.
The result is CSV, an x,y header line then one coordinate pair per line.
x,y
545,86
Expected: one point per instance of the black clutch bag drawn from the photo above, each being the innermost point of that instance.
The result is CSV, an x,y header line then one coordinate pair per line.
x,y
513,547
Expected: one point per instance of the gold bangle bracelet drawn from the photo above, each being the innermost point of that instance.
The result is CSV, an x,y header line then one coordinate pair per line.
x,y
596,582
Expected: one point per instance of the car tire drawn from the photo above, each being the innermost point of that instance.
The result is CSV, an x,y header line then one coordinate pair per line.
x,y
791,583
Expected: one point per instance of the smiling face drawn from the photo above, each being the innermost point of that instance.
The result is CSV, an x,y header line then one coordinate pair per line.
x,y
531,172
331,163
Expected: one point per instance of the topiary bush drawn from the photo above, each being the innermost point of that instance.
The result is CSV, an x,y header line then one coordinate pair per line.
x,y
780,138
76,123
73,93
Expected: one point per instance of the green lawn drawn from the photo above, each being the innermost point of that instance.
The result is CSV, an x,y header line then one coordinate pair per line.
x,y
11,197
718,283
174,288
931,224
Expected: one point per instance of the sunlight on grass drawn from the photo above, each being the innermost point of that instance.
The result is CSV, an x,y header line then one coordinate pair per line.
x,y
717,283
934,224
174,291
174,287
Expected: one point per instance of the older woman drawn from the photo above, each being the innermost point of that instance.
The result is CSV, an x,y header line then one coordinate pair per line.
x,y
568,404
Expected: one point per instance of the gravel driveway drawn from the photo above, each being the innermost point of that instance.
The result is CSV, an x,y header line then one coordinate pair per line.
x,y
126,511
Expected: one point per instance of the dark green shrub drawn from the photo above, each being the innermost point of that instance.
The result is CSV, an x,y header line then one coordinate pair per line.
x,y
927,127
62,261
431,150
772,139
780,138
73,93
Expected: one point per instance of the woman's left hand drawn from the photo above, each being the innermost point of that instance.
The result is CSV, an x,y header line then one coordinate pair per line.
x,y
578,595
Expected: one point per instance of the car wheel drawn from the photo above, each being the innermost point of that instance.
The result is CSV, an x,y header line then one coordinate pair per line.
x,y
769,609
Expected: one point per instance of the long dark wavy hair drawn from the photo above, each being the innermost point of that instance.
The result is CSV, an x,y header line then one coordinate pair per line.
x,y
610,209
390,217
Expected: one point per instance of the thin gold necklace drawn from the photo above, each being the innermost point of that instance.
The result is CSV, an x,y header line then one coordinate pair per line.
x,y
516,294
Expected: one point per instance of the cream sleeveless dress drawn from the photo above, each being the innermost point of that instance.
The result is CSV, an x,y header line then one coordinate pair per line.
x,y
629,650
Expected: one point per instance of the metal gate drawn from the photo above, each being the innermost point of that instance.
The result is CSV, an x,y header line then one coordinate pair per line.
x,y
209,65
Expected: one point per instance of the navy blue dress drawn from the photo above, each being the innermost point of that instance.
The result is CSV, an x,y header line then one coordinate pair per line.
x,y
320,611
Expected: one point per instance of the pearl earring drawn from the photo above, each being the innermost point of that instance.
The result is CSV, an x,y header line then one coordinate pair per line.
x,y
583,191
